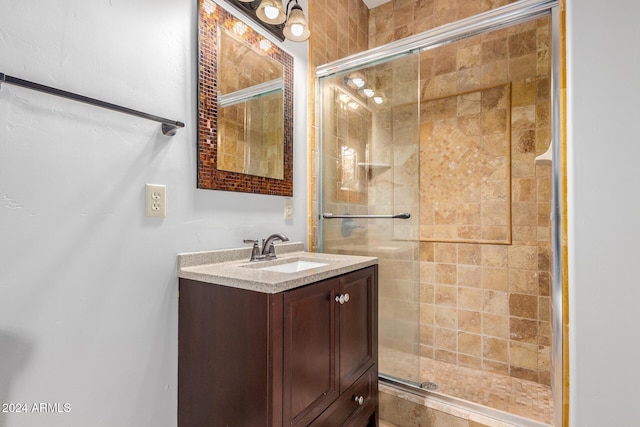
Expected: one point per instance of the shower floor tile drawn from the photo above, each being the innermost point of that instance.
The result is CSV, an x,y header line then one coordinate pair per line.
x,y
526,399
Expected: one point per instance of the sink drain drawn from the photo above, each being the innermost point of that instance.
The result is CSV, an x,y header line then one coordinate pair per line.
x,y
427,385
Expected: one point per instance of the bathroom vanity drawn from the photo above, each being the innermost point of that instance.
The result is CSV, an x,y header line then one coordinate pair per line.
x,y
286,342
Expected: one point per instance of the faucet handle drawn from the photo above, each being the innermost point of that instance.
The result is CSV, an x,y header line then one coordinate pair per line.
x,y
255,251
271,251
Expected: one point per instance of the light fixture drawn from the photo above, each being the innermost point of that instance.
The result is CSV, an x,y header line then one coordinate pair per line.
x,y
271,12
296,28
368,92
209,6
265,45
287,22
239,28
355,80
378,99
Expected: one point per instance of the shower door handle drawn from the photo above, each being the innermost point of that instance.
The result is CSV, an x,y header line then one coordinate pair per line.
x,y
402,215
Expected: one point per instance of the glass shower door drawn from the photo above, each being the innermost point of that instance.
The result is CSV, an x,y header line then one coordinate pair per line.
x,y
369,195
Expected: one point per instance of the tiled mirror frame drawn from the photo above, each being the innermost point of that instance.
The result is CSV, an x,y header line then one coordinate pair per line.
x,y
211,16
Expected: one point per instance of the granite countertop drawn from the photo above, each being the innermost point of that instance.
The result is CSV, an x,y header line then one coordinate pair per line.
x,y
231,267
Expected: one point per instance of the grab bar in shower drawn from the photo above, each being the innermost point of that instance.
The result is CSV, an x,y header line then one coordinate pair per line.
x,y
169,127
403,215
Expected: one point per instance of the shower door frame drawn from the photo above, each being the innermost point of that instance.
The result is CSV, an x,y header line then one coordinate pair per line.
x,y
505,16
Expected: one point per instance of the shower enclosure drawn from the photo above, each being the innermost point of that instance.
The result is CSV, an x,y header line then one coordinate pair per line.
x,y
434,158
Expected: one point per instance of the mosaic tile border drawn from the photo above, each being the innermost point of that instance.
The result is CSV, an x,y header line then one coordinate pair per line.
x,y
209,177
482,121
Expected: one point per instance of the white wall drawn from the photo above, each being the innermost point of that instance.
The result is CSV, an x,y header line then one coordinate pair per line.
x,y
604,274
88,290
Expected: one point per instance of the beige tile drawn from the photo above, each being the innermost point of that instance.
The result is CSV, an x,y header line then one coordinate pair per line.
x,y
495,349
427,251
523,281
495,302
427,314
523,93
427,293
523,257
446,253
427,272
469,321
470,298
544,333
445,339
494,50
426,335
469,361
524,190
523,330
522,43
495,256
469,276
446,274
495,278
524,355
495,325
522,305
469,254
468,104
446,317
544,309
445,355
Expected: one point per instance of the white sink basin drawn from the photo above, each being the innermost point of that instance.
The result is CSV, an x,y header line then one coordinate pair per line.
x,y
294,266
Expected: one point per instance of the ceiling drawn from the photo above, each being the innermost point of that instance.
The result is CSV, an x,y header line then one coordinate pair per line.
x,y
374,3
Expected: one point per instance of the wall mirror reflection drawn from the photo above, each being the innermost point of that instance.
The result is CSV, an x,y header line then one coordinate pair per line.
x,y
250,109
245,107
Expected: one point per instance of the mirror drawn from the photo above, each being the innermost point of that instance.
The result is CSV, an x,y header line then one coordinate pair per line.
x,y
250,109
245,129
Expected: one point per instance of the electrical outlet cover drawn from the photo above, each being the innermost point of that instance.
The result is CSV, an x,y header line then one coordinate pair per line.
x,y
156,200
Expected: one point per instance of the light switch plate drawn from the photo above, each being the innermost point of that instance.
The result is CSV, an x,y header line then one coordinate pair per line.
x,y
156,200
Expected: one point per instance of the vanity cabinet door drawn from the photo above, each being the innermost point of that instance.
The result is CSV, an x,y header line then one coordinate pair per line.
x,y
310,358
358,349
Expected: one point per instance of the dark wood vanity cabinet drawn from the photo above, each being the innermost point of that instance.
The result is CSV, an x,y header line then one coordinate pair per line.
x,y
307,356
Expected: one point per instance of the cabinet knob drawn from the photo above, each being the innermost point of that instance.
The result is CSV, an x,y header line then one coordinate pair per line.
x,y
342,298
358,399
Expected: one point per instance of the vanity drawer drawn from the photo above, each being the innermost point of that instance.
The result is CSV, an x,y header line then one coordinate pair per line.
x,y
355,407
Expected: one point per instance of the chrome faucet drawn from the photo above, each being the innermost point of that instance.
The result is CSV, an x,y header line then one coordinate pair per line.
x,y
268,251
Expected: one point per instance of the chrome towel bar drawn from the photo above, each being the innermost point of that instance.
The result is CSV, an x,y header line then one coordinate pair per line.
x,y
403,215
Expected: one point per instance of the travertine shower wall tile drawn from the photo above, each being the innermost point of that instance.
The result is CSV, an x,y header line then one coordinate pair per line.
x,y
521,305
470,298
495,325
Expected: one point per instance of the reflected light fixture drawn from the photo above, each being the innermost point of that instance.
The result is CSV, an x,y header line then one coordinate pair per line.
x,y
368,92
355,80
284,22
239,28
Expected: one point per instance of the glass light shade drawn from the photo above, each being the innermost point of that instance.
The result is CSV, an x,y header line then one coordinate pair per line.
x,y
368,92
271,12
296,29
355,80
